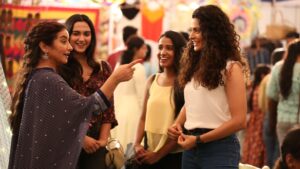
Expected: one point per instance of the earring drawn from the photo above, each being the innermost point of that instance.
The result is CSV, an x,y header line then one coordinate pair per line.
x,y
45,56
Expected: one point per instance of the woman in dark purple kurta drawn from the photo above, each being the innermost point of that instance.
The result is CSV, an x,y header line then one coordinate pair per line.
x,y
48,117
53,124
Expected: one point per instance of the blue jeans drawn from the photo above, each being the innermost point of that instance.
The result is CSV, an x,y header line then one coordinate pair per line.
x,y
220,154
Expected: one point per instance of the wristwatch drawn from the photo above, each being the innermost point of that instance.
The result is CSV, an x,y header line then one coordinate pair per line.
x,y
198,140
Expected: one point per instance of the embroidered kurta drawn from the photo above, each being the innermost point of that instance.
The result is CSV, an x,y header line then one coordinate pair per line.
x,y
5,101
53,123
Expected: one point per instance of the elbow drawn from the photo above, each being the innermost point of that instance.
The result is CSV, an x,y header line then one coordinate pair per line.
x,y
242,124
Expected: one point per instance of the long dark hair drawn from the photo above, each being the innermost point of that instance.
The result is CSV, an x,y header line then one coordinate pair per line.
x,y
45,32
286,74
133,43
290,145
72,71
178,46
220,44
260,70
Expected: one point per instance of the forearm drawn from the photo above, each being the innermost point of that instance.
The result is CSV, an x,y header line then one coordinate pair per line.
x,y
109,86
169,146
228,128
140,132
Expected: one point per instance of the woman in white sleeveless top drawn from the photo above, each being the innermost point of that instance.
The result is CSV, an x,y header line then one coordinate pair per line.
x,y
214,93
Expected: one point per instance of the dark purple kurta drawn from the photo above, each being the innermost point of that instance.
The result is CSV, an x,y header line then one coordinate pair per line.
x,y
53,123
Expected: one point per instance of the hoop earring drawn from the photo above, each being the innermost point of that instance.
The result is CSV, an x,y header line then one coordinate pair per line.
x,y
45,56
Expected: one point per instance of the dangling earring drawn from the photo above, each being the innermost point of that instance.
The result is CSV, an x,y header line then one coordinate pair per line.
x,y
45,56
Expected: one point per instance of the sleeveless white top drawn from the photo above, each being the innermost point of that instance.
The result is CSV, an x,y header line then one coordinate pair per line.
x,y
206,108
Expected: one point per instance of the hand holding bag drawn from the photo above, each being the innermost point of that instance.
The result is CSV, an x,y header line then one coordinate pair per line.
x,y
114,158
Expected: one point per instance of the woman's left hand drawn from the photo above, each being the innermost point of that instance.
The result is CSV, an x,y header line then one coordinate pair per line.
x,y
187,141
149,157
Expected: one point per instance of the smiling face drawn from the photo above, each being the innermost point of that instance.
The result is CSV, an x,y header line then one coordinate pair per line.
x,y
81,37
60,49
195,35
165,52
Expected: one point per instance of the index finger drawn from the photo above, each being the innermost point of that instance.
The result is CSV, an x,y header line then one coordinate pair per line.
x,y
135,62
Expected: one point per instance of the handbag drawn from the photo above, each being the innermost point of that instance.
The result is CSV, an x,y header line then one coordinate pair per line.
x,y
131,161
277,30
114,158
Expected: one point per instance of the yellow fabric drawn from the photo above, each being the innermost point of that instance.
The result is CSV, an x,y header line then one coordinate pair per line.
x,y
152,15
262,97
160,115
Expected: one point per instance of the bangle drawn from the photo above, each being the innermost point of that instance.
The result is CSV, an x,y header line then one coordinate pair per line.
x,y
199,140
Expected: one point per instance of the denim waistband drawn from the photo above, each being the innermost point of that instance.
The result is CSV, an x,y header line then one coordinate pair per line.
x,y
198,131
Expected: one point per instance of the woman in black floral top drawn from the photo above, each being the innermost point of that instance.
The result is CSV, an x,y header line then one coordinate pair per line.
x,y
85,75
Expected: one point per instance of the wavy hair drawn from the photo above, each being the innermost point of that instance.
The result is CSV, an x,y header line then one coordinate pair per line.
x,y
45,32
220,43
178,46
72,71
286,73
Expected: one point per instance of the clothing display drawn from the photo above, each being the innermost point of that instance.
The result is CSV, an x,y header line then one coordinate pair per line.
x,y
5,101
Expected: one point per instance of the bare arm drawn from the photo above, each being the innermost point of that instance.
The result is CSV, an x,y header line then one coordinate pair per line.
x,y
104,134
236,94
176,129
141,124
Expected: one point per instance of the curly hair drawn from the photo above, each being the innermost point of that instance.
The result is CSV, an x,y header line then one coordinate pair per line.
x,y
45,32
286,73
220,43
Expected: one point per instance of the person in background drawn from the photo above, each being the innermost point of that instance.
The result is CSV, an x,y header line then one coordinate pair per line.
x,y
84,74
283,92
163,98
149,67
290,151
49,119
213,76
114,58
128,97
257,54
254,152
278,53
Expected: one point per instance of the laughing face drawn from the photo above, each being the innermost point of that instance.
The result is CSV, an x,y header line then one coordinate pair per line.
x,y
195,35
81,37
165,52
60,49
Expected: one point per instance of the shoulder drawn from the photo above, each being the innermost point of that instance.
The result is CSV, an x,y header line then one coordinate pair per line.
x,y
151,79
233,65
46,76
233,69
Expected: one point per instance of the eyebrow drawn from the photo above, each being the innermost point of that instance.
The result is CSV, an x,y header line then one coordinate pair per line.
x,y
63,37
